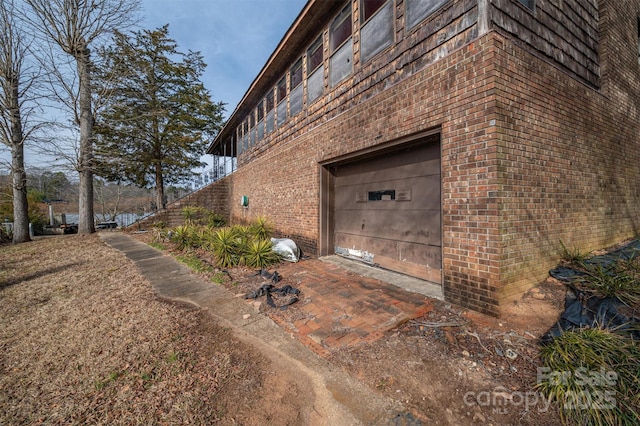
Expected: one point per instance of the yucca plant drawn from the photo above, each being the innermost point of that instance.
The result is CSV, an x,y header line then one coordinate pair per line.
x,y
260,254
159,235
189,213
181,236
593,374
243,234
261,229
224,245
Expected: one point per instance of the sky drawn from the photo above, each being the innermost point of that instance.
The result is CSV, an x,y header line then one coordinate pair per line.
x,y
235,37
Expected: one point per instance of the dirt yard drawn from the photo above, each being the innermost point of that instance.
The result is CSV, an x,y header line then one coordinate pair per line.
x,y
83,340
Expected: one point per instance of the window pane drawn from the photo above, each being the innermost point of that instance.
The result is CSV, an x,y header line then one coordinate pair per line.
x,y
269,121
260,110
282,89
314,55
377,33
418,10
341,64
296,74
295,101
369,7
260,131
315,85
282,113
528,3
270,100
340,28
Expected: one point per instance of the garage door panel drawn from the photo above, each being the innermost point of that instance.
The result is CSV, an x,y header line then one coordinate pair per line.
x,y
409,194
424,161
392,225
417,253
431,168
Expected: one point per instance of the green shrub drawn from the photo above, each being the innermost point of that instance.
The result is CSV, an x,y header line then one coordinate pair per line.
x,y
593,374
260,254
574,255
225,247
184,237
616,280
201,216
261,229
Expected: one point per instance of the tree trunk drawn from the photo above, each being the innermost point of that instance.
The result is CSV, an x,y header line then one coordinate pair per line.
x,y
18,174
160,201
85,162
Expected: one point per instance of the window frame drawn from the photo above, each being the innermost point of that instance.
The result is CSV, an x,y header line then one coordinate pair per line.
x,y
369,51
281,90
260,111
337,23
295,74
363,10
316,46
269,101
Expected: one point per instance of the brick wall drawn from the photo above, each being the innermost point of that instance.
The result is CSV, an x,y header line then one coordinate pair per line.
x,y
530,157
569,156
214,197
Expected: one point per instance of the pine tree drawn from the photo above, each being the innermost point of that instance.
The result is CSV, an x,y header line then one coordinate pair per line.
x,y
158,117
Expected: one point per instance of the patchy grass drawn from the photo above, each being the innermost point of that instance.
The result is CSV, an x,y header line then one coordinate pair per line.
x,y
84,340
195,263
593,375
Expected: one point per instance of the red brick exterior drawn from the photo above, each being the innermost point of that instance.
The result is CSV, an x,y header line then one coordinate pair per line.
x,y
531,156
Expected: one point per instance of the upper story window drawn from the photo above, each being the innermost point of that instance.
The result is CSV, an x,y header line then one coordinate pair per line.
x,y
315,70
638,40
295,90
418,10
269,104
340,46
282,89
269,101
296,74
530,4
376,32
340,29
314,55
260,110
281,93
239,147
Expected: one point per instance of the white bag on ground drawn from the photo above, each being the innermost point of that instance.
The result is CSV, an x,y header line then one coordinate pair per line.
x,y
286,248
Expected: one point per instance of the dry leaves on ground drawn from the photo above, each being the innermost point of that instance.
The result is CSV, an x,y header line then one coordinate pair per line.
x,y
83,340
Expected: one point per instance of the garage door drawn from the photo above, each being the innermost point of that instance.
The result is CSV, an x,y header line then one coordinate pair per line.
x,y
387,211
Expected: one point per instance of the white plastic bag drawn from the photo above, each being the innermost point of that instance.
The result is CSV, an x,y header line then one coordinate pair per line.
x,y
286,248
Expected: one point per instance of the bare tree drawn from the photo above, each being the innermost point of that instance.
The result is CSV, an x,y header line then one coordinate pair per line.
x,y
74,25
17,80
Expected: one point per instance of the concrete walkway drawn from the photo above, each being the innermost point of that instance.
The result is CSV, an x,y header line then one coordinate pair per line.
x,y
340,399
